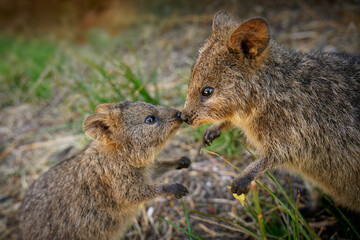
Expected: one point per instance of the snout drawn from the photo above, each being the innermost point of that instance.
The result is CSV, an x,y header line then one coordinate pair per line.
x,y
177,116
186,118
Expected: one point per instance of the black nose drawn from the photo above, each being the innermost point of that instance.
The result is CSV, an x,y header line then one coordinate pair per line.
x,y
177,115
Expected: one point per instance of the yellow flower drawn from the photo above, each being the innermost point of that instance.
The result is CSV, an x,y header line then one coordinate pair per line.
x,y
241,197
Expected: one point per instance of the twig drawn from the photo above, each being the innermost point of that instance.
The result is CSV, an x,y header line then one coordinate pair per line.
x,y
219,224
206,229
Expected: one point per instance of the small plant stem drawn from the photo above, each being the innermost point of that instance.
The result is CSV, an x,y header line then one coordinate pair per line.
x,y
255,193
187,219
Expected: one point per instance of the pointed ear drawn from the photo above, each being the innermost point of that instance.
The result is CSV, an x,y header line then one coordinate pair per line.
x,y
96,126
251,37
103,108
221,19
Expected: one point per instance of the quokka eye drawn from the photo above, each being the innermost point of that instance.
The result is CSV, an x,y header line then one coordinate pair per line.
x,y
150,119
207,91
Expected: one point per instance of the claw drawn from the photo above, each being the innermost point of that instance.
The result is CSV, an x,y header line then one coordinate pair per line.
x,y
179,190
210,135
184,162
240,186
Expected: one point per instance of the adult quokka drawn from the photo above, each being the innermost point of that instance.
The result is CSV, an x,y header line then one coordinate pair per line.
x,y
298,110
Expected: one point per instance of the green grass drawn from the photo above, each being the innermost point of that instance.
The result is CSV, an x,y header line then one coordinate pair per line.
x,y
187,220
287,208
24,69
226,144
352,231
278,216
37,70
191,235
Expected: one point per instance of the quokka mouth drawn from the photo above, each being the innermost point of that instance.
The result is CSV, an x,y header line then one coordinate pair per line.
x,y
187,120
174,129
192,120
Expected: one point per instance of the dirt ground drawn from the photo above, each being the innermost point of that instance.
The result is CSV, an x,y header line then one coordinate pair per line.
x,y
32,139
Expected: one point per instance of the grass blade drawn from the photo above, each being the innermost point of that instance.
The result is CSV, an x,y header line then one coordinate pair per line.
x,y
180,228
286,209
288,199
295,215
187,219
258,210
298,214
214,153
139,86
343,216
107,77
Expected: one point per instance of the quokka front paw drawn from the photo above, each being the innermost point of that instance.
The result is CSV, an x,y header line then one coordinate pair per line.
x,y
184,162
178,190
210,134
240,185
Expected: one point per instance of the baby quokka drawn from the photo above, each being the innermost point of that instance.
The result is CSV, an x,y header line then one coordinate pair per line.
x,y
298,110
96,193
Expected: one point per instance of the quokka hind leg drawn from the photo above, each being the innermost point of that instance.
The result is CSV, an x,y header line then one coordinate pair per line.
x,y
162,167
313,205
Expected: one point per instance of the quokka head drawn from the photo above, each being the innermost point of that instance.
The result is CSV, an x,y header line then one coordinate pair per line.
x,y
224,77
132,125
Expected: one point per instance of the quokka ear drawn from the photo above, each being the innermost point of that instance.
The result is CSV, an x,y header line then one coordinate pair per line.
x,y
96,126
221,19
103,108
251,37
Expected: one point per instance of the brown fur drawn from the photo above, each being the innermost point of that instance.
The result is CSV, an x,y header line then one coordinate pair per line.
x,y
298,110
95,194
